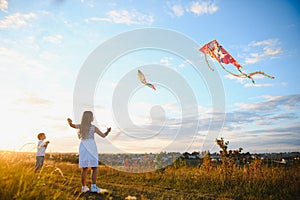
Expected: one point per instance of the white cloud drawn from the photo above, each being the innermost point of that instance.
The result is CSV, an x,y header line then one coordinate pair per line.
x,y
258,85
3,5
16,20
203,7
34,100
125,17
166,60
268,47
90,3
91,19
243,81
48,56
230,77
177,10
198,8
275,120
185,63
272,104
54,39
268,42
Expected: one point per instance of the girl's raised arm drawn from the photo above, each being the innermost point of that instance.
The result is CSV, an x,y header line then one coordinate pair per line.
x,y
71,123
100,133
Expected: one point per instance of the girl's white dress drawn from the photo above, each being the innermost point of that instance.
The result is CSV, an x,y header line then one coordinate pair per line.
x,y
88,153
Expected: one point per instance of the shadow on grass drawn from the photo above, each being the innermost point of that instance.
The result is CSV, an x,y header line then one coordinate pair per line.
x,y
99,196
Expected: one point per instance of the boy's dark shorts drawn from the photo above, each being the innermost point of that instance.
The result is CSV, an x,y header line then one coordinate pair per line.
x,y
39,162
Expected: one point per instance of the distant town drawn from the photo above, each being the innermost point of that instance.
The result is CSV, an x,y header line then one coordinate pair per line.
x,y
152,161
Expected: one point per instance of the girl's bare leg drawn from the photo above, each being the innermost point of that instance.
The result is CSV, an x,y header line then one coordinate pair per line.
x,y
83,176
94,174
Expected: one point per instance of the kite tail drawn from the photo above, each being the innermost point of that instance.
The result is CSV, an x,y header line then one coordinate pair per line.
x,y
242,75
254,73
208,63
237,65
151,85
247,75
262,73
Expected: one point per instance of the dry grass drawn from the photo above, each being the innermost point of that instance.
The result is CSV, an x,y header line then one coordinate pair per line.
x,y
61,180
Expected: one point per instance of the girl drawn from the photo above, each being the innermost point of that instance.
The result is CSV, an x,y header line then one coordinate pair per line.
x,y
88,153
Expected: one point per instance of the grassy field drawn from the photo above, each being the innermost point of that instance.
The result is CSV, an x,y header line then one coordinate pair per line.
x,y
61,180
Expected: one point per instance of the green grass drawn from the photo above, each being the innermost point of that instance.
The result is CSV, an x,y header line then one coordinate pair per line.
x,y
61,180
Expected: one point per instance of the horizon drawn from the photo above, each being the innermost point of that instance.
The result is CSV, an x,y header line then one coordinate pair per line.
x,y
117,153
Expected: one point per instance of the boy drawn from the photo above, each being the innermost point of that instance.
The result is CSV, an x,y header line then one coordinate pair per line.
x,y
41,149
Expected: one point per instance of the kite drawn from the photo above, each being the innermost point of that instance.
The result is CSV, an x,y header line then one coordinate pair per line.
x,y
142,78
216,51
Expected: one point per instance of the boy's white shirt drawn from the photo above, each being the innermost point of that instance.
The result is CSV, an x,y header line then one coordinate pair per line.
x,y
41,148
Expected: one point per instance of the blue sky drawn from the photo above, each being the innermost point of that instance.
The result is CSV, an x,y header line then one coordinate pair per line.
x,y
44,44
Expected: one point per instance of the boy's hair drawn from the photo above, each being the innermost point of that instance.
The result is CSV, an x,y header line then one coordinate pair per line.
x,y
40,135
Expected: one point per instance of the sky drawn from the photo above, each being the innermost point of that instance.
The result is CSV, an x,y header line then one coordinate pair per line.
x,y
45,45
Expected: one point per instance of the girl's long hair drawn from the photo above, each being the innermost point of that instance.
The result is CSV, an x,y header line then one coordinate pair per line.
x,y
85,124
